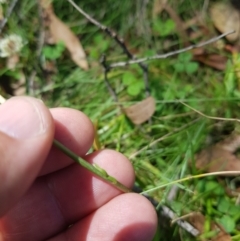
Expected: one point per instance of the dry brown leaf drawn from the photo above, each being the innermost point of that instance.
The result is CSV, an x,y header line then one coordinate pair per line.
x,y
215,61
226,18
61,32
141,111
197,220
220,157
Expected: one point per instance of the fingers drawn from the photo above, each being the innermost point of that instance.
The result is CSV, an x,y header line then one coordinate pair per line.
x,y
26,134
74,130
87,192
60,199
126,217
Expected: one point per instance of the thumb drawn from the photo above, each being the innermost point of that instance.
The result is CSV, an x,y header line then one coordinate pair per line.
x,y
26,135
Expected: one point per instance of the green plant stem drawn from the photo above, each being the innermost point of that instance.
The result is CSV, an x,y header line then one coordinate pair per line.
x,y
95,169
223,173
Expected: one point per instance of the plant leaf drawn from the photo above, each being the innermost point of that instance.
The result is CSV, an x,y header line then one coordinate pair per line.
x,y
191,67
134,89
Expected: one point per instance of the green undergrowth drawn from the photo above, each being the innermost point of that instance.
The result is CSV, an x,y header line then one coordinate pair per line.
x,y
163,149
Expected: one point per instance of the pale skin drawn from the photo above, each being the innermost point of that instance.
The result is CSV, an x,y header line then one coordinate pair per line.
x,y
45,196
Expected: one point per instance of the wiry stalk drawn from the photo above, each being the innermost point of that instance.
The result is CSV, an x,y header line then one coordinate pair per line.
x,y
95,169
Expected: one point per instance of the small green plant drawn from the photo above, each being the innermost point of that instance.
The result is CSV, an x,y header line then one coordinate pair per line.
x,y
134,85
218,206
164,28
101,45
54,52
185,64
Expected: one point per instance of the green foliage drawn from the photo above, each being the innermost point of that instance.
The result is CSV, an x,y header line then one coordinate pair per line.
x,y
134,85
218,205
185,65
54,52
228,223
101,44
163,28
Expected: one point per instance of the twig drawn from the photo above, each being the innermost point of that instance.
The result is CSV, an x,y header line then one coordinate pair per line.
x,y
106,70
183,224
9,12
163,56
165,212
118,40
41,33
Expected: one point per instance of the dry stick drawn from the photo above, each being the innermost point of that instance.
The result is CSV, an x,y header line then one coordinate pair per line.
x,y
118,40
165,212
163,56
40,44
105,71
9,12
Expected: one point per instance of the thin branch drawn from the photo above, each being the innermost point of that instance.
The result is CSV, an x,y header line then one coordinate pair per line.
x,y
8,14
164,56
106,70
182,223
118,40
165,212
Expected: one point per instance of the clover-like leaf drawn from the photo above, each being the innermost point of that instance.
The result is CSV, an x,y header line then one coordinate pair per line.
x,y
191,67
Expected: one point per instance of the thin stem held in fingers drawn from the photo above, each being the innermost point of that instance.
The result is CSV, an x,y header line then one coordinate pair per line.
x,y
95,169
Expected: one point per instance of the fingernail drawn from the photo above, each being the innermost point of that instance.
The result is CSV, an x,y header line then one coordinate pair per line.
x,y
22,117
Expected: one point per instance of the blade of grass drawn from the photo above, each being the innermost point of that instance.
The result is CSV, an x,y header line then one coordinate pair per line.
x,y
224,173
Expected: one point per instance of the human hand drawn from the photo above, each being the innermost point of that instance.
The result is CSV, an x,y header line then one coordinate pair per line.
x,y
45,196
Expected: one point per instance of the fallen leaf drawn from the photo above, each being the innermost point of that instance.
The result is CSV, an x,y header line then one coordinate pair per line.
x,y
197,220
142,111
61,32
226,18
220,157
215,61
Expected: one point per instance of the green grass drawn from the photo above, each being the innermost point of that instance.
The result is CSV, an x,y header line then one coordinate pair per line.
x,y
181,132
